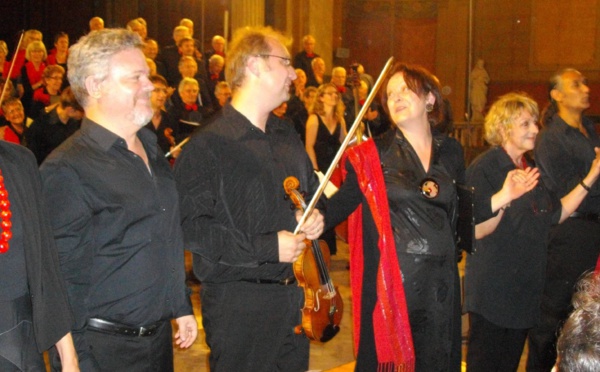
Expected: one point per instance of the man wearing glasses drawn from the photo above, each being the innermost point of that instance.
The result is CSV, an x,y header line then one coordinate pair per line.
x,y
236,219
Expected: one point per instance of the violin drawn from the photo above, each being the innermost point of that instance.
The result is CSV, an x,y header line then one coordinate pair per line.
x,y
323,306
168,132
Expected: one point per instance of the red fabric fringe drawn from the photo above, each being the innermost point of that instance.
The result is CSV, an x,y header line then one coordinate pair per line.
x,y
393,337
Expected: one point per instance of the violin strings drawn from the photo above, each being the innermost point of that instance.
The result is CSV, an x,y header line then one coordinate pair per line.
x,y
316,249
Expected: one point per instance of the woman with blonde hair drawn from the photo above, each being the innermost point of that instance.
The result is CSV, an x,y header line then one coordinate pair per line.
x,y
325,131
504,277
325,127
32,72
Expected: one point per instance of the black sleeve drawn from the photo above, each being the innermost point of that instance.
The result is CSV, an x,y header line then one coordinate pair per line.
x,y
345,201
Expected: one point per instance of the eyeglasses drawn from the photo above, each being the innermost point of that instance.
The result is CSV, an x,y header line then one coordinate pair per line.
x,y
335,94
55,78
285,60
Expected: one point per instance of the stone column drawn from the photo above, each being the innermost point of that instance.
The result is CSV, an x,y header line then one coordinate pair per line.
x,y
247,13
320,16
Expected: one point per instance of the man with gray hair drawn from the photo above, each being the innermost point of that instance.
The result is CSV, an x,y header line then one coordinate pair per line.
x,y
169,56
115,215
303,59
578,345
236,220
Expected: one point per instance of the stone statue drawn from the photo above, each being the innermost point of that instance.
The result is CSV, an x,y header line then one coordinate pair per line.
x,y
479,82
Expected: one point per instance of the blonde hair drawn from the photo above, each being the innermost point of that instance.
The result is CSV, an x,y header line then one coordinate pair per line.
x,y
503,113
319,108
3,48
248,42
51,70
35,45
187,81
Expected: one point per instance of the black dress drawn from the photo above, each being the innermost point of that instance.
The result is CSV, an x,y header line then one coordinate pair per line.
x,y
423,231
326,145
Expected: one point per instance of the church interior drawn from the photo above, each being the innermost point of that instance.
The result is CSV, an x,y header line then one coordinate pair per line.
x,y
520,44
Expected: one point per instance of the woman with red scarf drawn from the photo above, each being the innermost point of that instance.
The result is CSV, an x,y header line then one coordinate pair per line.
x,y
16,121
49,92
32,72
60,54
404,276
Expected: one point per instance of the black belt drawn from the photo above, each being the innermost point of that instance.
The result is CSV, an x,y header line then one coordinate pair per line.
x,y
286,281
586,216
106,326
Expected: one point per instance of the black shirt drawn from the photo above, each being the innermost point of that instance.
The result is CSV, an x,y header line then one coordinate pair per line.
x,y
47,132
424,241
167,121
505,275
117,228
230,181
303,62
564,156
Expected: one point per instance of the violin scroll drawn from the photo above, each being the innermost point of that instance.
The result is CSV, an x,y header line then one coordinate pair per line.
x,y
291,185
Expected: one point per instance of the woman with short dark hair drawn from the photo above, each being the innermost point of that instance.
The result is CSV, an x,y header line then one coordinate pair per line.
x,y
403,261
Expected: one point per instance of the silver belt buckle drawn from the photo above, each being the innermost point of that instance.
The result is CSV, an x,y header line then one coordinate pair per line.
x,y
142,330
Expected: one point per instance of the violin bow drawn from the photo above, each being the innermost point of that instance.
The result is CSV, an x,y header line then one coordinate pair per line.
x,y
180,145
12,64
338,156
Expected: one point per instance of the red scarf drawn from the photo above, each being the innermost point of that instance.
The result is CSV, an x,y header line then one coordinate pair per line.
x,y
193,107
341,89
214,76
5,69
393,337
9,135
42,95
33,74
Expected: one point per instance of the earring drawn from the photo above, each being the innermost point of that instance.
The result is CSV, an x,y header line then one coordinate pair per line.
x,y
429,107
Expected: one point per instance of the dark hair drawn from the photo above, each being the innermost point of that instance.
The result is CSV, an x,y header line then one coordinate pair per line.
x,y
421,82
158,79
446,125
551,108
67,99
59,35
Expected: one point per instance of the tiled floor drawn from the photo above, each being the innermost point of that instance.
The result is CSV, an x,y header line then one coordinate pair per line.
x,y
333,356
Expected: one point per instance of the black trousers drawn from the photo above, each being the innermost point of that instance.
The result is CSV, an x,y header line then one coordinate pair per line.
x,y
493,348
117,353
573,250
250,327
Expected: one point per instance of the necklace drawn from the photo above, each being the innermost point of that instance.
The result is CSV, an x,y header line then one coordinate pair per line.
x,y
5,216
